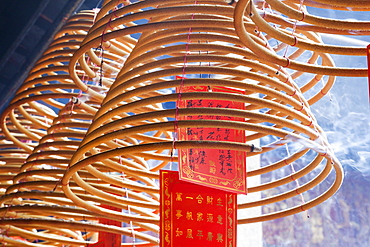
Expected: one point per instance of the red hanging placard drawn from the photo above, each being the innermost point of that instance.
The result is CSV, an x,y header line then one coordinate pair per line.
x,y
194,215
216,168
107,239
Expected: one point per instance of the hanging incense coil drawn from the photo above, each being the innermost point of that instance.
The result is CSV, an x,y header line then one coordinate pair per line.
x,y
26,122
183,45
35,192
294,16
47,88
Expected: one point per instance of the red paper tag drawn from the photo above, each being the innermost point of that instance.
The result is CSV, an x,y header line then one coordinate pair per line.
x,y
216,168
194,215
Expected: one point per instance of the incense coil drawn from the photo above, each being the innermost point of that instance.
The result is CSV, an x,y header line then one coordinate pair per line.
x,y
297,15
46,88
42,95
35,192
131,132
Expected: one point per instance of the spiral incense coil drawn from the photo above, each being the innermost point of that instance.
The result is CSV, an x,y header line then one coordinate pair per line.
x,y
298,20
183,44
33,109
36,193
47,88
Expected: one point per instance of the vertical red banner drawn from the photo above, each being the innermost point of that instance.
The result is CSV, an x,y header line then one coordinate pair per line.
x,y
216,168
194,215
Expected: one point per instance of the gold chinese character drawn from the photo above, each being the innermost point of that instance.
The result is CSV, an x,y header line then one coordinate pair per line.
x,y
178,214
212,170
219,219
189,233
200,234
178,232
189,215
210,236
210,218
209,200
200,199
219,202
219,238
178,196
199,216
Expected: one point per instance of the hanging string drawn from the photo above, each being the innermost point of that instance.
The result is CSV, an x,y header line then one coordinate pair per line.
x,y
101,64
